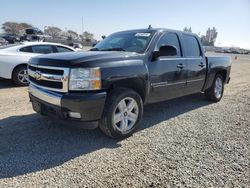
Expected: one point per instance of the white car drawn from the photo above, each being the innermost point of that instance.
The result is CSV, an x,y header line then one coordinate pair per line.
x,y
15,57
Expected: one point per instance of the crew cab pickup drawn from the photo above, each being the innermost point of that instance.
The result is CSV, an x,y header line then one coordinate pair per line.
x,y
109,85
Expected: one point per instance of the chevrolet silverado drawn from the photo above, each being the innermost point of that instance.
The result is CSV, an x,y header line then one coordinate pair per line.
x,y
109,85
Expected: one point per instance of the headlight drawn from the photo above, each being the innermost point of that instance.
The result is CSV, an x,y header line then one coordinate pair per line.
x,y
85,79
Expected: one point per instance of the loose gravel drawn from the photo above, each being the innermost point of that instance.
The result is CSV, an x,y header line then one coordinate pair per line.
x,y
186,142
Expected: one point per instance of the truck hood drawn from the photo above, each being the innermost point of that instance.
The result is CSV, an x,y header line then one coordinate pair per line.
x,y
86,59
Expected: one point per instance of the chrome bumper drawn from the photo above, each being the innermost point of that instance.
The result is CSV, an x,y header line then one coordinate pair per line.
x,y
46,96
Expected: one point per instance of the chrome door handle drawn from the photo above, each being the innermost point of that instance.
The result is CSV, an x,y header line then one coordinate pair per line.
x,y
201,65
180,66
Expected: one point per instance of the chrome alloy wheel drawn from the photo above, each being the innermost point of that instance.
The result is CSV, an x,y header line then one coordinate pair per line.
x,y
218,88
125,114
23,76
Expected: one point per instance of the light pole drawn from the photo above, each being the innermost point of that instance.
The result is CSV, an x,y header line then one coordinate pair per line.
x,y
44,28
82,24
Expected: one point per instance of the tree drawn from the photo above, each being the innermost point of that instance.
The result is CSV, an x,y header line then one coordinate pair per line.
x,y
64,35
210,37
186,29
87,36
72,35
52,31
14,28
25,25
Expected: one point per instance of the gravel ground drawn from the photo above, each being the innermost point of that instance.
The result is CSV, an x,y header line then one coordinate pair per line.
x,y
187,142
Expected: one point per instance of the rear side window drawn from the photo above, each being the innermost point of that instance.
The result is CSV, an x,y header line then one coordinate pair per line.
x,y
63,49
191,45
26,49
42,49
170,39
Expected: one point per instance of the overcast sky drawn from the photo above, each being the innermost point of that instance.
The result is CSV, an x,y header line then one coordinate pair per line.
x,y
230,17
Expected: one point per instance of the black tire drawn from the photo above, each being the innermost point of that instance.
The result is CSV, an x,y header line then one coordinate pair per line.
x,y
211,92
107,124
16,76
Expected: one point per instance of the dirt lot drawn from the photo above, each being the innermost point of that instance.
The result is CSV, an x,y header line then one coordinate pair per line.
x,y
186,142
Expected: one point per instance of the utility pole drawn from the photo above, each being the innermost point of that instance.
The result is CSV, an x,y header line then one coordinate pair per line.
x,y
82,24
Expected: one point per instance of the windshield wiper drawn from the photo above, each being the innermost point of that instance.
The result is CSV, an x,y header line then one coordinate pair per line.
x,y
113,49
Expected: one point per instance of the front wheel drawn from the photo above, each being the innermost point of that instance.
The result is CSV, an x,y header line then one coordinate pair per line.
x,y
215,93
20,76
122,114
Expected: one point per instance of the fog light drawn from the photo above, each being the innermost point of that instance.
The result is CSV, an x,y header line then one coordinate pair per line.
x,y
75,115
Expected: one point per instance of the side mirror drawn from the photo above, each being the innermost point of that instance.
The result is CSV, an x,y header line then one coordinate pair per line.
x,y
166,50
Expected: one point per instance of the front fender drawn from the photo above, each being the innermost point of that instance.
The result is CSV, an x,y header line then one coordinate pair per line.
x,y
129,74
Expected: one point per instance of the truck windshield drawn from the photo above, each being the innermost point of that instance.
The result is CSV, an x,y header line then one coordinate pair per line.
x,y
127,41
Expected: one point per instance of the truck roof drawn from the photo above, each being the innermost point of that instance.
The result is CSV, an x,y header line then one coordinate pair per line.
x,y
157,30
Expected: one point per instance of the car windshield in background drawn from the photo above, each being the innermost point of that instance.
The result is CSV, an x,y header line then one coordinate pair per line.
x,y
129,42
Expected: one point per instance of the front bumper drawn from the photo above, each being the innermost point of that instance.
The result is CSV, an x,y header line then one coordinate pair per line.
x,y
89,106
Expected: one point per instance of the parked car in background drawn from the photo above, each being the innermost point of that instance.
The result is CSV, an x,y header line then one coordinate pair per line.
x,y
76,46
109,85
11,39
34,34
33,31
3,41
14,58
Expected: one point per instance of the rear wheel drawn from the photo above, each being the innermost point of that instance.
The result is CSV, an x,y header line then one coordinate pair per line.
x,y
20,76
215,93
123,113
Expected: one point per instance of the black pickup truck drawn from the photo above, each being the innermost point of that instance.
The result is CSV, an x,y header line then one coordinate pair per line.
x,y
109,85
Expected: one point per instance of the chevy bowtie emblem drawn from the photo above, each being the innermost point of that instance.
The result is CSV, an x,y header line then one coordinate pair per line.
x,y
37,75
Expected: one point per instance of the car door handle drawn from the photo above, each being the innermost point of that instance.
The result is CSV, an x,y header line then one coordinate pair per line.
x,y
180,66
201,65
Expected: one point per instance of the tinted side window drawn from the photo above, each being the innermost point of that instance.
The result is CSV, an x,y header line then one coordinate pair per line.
x,y
26,49
63,49
42,49
191,45
170,39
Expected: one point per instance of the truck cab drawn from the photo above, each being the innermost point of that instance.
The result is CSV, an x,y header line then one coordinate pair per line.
x,y
180,73
109,85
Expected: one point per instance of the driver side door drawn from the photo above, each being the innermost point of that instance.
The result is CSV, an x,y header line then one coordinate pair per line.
x,y
168,74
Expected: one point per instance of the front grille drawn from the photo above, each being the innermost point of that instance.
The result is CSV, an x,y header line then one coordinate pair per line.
x,y
45,83
48,71
51,78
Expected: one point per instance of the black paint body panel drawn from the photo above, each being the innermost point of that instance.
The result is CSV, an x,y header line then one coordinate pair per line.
x,y
90,106
154,79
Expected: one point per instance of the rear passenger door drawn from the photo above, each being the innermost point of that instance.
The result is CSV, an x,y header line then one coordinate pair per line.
x,y
168,73
196,64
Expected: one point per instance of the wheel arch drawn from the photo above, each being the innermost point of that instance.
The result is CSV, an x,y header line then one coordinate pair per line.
x,y
211,76
19,65
223,73
136,84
